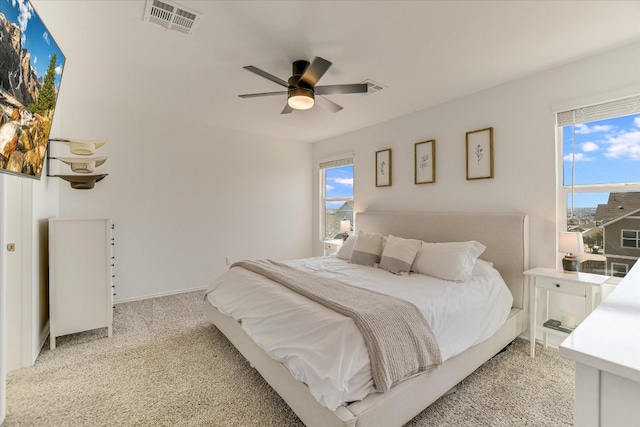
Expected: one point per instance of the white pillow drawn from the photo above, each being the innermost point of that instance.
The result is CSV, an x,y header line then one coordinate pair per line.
x,y
450,261
367,248
347,247
398,254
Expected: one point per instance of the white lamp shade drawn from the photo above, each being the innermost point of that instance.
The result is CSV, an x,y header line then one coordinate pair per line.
x,y
345,226
570,243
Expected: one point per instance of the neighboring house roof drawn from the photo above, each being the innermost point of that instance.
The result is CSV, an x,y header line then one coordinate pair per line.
x,y
618,205
637,211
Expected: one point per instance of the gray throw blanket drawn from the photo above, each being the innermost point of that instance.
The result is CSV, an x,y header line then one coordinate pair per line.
x,y
399,339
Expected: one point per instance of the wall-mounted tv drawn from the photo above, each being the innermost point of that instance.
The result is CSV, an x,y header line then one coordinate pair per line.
x,y
31,65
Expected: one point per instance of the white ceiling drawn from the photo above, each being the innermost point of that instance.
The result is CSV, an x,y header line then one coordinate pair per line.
x,y
424,52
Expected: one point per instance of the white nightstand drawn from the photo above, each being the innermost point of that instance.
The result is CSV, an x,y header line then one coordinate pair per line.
x,y
332,246
549,279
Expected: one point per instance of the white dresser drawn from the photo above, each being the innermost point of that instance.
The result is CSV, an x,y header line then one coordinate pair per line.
x,y
606,349
80,275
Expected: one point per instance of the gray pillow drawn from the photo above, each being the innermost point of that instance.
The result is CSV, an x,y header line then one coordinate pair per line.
x,y
367,248
398,254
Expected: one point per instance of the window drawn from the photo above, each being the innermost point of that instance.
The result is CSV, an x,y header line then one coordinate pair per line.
x,y
600,163
631,239
336,195
619,270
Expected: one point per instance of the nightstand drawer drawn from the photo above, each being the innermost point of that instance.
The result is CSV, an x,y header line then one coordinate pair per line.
x,y
331,246
564,286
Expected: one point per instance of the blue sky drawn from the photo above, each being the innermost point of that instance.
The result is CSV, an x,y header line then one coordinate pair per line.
x,y
339,183
606,152
35,36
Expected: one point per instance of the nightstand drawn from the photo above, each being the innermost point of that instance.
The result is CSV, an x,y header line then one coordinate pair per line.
x,y
332,246
551,280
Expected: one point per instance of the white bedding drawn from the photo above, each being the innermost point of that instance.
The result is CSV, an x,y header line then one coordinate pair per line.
x,y
325,350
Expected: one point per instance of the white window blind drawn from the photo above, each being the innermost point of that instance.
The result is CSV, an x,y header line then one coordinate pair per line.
x,y
335,163
606,110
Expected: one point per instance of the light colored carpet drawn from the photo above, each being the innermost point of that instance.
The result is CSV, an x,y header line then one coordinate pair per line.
x,y
166,365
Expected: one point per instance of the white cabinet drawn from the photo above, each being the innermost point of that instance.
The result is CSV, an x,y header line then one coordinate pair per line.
x,y
80,275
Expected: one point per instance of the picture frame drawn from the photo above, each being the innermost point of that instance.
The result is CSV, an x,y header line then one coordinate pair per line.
x,y
479,151
424,162
383,168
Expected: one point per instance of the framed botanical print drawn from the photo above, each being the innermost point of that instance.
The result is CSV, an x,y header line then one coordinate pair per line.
x,y
424,168
480,154
383,168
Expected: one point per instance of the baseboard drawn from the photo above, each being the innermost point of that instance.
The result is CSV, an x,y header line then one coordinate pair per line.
x,y
162,294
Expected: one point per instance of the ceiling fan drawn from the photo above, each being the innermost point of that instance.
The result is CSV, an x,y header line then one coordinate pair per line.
x,y
302,92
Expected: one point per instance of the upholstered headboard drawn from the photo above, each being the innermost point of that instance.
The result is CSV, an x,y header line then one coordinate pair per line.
x,y
506,236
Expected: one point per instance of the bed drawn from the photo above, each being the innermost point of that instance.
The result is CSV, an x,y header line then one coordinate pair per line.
x,y
505,237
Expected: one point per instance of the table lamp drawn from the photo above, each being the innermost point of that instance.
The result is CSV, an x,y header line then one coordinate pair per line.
x,y
570,243
345,228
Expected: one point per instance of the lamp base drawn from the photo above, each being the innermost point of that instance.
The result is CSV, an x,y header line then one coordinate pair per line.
x,y
570,263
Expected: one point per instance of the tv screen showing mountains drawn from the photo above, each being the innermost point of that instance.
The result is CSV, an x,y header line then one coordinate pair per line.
x,y
31,65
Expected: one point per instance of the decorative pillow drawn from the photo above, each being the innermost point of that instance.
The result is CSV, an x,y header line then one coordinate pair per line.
x,y
398,254
450,261
347,247
367,248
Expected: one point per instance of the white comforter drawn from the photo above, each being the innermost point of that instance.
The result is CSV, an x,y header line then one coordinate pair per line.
x,y
325,350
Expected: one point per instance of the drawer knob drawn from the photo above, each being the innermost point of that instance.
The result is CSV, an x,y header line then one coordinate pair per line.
x,y
557,285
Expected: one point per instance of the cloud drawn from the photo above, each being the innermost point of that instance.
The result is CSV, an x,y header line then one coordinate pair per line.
x,y
588,147
579,157
583,129
636,121
624,146
45,37
344,181
26,12
330,187
59,70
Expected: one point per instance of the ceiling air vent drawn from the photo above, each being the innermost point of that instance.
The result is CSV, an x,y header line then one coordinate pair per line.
x,y
373,87
172,16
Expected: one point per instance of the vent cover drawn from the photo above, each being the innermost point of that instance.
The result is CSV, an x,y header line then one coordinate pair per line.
x,y
373,87
172,16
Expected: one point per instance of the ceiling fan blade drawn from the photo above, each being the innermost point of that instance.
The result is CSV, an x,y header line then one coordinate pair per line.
x,y
266,75
256,95
286,109
327,104
337,89
315,70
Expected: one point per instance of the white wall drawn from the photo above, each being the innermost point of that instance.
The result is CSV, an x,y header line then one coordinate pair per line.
x,y
524,144
184,196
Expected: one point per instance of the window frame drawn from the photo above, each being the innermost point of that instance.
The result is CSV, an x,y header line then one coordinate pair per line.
x,y
636,239
615,273
340,160
563,191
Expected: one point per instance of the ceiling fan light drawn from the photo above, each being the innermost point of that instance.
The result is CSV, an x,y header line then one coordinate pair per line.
x,y
300,99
